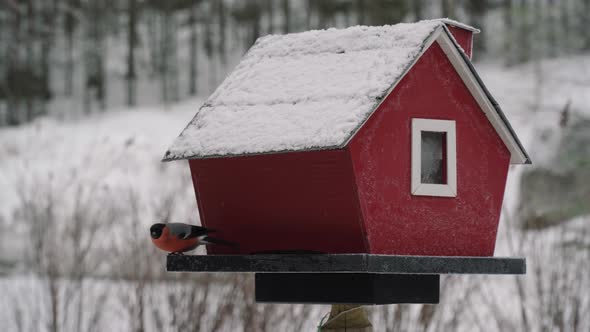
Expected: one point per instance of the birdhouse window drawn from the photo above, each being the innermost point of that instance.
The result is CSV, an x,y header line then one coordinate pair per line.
x,y
434,158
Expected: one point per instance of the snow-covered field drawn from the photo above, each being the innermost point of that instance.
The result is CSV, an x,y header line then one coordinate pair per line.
x,y
106,169
114,153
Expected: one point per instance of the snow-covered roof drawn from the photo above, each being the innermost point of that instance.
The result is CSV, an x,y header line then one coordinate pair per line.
x,y
313,90
302,91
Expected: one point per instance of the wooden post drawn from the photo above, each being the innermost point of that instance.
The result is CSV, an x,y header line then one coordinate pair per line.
x,y
347,317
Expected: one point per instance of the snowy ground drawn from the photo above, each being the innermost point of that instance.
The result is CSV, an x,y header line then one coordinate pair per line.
x,y
118,153
117,150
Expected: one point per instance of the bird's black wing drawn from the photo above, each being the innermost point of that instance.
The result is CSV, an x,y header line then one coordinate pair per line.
x,y
211,240
186,231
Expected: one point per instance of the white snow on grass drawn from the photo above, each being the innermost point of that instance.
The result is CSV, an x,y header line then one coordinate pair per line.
x,y
303,90
116,153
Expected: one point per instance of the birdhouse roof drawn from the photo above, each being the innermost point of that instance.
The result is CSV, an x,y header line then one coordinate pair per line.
x,y
304,91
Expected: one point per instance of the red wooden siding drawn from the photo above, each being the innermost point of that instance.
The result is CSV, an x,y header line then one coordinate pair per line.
x,y
397,222
464,38
286,201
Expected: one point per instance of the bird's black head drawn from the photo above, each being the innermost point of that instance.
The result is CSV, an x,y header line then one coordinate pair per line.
x,y
156,230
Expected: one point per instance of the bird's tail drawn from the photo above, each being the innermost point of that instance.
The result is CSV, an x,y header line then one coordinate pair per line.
x,y
212,240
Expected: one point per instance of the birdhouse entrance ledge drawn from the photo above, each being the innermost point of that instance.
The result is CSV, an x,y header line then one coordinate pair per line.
x,y
346,278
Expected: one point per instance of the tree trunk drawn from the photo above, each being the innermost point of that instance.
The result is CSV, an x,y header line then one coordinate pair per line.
x,y
565,26
286,16
30,34
255,29
69,70
222,31
537,57
309,7
13,116
94,55
585,18
30,61
508,31
270,23
173,57
448,8
139,294
54,299
50,13
418,8
101,87
70,25
13,112
552,26
164,43
131,43
153,39
80,310
192,81
208,45
360,11
87,100
99,52
523,45
476,11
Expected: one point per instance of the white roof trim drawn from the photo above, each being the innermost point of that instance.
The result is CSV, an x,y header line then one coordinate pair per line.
x,y
517,156
458,24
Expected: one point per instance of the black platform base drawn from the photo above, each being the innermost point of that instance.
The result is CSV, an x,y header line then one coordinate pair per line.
x,y
346,278
346,263
347,288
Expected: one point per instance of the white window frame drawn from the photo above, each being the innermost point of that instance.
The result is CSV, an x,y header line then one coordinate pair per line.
x,y
430,189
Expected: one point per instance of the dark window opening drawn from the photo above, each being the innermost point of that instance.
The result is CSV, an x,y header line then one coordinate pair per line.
x,y
433,156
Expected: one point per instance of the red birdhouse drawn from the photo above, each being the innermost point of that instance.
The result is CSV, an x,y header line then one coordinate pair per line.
x,y
379,140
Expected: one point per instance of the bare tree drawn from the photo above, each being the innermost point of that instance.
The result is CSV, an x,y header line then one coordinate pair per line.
x,y
286,8
418,8
585,22
508,33
193,51
222,32
72,14
448,8
131,76
65,224
476,10
95,12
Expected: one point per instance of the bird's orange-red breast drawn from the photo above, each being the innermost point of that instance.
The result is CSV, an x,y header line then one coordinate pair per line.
x,y
178,237
172,243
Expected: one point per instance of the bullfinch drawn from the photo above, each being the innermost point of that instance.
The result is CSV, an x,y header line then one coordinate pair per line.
x,y
177,238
